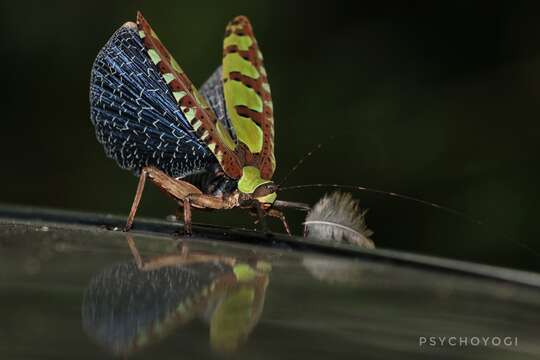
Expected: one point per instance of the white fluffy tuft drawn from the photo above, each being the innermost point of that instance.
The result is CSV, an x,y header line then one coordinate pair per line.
x,y
337,217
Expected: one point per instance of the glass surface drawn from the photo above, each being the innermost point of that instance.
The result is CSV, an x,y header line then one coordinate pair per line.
x,y
72,291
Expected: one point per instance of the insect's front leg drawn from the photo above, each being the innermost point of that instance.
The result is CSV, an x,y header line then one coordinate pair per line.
x,y
278,214
261,214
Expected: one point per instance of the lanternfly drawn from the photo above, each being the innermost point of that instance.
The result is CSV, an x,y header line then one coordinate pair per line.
x,y
208,149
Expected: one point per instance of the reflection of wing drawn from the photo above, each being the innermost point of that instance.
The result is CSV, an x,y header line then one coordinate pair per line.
x,y
247,93
237,314
137,119
195,108
124,309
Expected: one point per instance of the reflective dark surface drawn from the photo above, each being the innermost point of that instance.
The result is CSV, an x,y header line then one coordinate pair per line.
x,y
71,290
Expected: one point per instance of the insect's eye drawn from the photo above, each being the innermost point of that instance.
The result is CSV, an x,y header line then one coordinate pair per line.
x,y
265,189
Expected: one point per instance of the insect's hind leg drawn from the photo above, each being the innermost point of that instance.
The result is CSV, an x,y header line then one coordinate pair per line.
x,y
136,200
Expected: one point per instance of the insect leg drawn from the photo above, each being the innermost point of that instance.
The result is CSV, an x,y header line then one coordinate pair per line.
x,y
261,214
187,215
278,214
202,201
208,201
136,200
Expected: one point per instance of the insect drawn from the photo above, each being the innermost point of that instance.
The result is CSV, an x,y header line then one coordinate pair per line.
x,y
212,149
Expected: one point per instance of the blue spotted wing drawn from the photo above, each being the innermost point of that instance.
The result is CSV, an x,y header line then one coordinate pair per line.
x,y
136,117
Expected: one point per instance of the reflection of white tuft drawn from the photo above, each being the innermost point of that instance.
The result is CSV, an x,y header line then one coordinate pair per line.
x,y
337,217
334,271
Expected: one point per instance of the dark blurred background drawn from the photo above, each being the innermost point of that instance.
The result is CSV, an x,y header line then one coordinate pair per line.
x,y
436,100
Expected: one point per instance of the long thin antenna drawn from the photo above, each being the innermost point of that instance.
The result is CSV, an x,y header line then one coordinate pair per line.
x,y
378,191
301,161
454,212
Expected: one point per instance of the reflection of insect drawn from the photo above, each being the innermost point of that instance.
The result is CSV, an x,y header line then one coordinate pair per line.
x,y
213,149
129,306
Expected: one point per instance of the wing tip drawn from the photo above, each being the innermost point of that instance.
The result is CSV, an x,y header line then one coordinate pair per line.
x,y
240,21
139,15
134,25
141,20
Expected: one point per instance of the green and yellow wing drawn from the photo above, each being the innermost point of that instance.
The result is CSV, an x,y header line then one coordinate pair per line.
x,y
248,99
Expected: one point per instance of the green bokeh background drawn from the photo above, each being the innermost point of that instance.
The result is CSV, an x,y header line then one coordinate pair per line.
x,y
432,99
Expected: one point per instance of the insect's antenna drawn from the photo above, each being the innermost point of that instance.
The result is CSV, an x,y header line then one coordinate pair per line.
x,y
446,209
378,191
301,161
